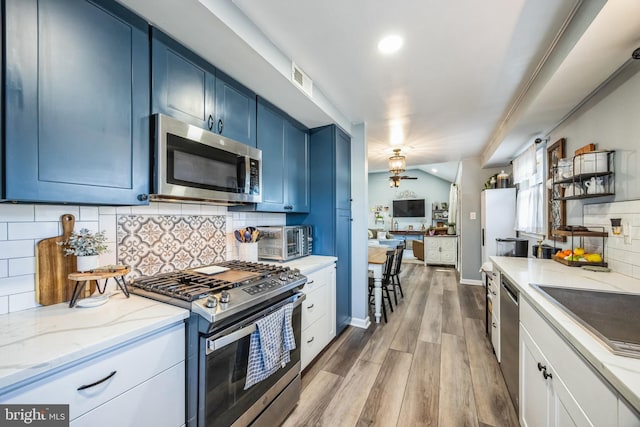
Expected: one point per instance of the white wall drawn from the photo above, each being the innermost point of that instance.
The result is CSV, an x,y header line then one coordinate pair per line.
x,y
611,120
427,186
23,225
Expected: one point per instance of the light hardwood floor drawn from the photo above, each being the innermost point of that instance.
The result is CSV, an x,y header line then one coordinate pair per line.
x,y
430,365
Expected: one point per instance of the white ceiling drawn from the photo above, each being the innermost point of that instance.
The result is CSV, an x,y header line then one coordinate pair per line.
x,y
472,79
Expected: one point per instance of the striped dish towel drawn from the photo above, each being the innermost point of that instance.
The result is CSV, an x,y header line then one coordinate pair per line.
x,y
270,345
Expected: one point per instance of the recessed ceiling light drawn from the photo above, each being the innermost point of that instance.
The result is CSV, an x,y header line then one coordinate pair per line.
x,y
390,44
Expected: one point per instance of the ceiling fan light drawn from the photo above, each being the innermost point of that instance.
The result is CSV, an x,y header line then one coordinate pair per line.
x,y
397,163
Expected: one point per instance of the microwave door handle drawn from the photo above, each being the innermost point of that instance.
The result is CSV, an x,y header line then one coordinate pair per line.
x,y
246,175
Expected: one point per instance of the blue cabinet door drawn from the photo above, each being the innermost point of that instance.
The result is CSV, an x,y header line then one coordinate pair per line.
x,y
183,85
297,166
330,178
235,110
271,142
77,102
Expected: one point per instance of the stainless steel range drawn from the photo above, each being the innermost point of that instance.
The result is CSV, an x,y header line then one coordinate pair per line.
x,y
226,300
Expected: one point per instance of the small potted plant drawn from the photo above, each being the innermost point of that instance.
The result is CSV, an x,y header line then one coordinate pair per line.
x,y
87,247
452,228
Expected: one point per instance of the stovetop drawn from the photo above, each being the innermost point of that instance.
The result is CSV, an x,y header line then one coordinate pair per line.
x,y
239,286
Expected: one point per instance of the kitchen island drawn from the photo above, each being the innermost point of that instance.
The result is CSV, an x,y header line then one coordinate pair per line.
x,y
619,374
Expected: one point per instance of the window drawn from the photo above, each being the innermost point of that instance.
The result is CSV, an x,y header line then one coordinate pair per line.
x,y
528,173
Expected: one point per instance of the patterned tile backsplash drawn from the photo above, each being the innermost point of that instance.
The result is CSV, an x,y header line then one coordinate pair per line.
x,y
152,244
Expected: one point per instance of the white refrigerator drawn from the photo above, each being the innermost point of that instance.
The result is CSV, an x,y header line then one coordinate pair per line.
x,y
498,218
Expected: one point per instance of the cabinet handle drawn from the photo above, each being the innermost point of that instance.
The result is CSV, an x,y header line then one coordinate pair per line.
x,y
311,306
311,340
83,387
143,197
546,375
210,122
220,126
494,324
541,367
494,292
310,282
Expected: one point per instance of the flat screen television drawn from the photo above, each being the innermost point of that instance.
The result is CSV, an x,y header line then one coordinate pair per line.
x,y
408,208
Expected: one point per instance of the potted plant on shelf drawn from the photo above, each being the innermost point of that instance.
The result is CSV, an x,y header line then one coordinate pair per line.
x,y
87,246
452,228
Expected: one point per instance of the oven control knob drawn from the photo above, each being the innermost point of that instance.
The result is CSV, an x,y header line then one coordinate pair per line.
x,y
211,302
225,296
283,277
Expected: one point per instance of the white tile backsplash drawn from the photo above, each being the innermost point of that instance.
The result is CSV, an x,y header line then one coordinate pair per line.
x,y
89,213
31,230
22,301
21,266
17,284
16,249
13,213
54,212
23,225
4,305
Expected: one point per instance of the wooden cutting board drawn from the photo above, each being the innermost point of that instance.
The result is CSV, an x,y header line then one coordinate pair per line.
x,y
234,276
53,268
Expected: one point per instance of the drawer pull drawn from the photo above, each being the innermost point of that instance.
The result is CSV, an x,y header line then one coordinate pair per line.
x,y
541,367
546,375
310,282
310,307
311,340
84,387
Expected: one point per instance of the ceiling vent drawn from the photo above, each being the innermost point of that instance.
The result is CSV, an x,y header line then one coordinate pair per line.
x,y
301,80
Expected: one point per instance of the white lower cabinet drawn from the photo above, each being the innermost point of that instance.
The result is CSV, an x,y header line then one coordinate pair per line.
x,y
138,383
318,313
557,388
441,250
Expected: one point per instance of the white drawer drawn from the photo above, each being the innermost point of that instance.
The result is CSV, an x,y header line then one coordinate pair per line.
x,y
314,338
433,243
132,363
592,394
158,402
315,305
448,257
448,243
316,280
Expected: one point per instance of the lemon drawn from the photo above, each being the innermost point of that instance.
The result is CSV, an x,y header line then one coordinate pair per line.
x,y
594,257
578,251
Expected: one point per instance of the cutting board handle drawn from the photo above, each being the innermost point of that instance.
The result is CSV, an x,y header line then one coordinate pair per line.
x,y
68,222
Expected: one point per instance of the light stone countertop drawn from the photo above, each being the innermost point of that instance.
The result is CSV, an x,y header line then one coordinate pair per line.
x,y
311,263
36,341
622,373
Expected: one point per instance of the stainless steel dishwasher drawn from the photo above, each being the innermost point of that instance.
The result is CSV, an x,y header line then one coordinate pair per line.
x,y
509,337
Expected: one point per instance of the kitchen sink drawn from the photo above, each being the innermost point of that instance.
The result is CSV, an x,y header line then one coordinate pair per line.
x,y
612,316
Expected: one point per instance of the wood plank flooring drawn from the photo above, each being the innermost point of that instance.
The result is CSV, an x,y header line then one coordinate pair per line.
x,y
430,365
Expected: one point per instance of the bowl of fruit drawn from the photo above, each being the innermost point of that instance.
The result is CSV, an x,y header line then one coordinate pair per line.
x,y
578,257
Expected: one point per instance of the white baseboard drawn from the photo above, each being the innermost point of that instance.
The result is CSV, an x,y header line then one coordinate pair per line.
x,y
359,322
471,282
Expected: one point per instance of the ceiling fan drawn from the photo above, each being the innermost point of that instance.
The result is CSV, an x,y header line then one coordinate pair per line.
x,y
397,165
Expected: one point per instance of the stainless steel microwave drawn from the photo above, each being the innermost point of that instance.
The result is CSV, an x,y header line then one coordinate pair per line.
x,y
284,243
193,164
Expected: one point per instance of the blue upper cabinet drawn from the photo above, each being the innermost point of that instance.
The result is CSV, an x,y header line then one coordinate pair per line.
x,y
235,110
285,162
183,85
77,102
187,87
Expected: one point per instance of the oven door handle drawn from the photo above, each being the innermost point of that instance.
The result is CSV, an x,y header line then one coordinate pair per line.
x,y
213,345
